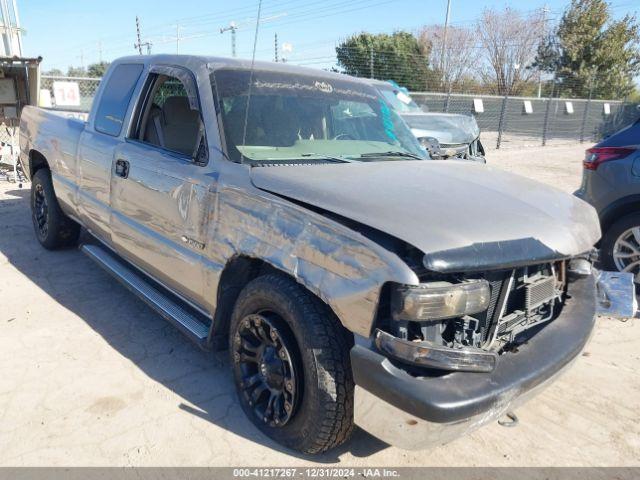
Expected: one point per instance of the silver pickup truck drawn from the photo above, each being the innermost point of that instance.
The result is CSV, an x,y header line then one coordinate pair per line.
x,y
289,215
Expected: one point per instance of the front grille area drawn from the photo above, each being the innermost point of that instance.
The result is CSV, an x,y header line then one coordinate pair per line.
x,y
520,298
530,296
539,292
486,318
510,323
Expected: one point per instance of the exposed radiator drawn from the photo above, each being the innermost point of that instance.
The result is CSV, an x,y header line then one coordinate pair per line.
x,y
539,292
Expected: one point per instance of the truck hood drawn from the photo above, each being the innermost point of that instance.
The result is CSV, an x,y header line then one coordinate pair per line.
x,y
462,215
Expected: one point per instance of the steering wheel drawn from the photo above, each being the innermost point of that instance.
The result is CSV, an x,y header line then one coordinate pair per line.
x,y
347,136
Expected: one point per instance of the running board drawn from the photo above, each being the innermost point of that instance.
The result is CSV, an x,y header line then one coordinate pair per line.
x,y
193,324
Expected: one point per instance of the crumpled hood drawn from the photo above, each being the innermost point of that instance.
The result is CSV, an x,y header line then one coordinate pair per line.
x,y
444,138
465,208
447,128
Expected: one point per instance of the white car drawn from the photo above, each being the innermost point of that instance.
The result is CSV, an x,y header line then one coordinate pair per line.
x,y
444,135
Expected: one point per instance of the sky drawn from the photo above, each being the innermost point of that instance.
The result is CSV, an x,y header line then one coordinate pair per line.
x,y
74,32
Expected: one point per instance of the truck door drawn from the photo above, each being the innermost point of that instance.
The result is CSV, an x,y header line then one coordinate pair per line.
x,y
97,146
161,188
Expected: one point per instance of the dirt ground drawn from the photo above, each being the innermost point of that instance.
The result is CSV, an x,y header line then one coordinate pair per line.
x,y
90,376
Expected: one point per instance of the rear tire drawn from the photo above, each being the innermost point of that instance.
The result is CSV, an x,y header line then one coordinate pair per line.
x,y
53,228
614,256
286,344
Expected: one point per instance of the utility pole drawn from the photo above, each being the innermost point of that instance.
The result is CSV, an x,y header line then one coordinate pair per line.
x,y
275,45
444,40
177,38
233,26
233,41
100,51
545,10
138,45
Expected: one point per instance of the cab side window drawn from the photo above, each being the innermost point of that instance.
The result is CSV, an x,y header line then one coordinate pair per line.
x,y
167,120
115,99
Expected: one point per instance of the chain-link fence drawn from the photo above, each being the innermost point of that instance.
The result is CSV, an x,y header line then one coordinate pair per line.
x,y
527,121
74,94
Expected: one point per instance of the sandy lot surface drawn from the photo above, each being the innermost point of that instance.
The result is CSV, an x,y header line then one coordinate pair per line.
x,y
560,166
90,376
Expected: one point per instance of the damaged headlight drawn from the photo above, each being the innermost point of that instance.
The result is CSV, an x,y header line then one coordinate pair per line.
x,y
426,354
440,300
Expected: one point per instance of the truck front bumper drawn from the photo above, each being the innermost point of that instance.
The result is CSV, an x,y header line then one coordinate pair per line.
x,y
418,412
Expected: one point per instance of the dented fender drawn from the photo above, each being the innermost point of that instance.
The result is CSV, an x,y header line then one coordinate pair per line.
x,y
339,265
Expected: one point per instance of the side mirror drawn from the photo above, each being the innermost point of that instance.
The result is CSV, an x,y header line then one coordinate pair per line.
x,y
201,155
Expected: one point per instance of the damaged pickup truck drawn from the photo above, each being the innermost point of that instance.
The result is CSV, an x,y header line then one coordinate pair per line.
x,y
290,215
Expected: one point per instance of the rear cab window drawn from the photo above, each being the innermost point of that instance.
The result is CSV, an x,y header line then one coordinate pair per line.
x,y
115,99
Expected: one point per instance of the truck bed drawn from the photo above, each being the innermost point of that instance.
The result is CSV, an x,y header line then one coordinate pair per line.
x,y
53,134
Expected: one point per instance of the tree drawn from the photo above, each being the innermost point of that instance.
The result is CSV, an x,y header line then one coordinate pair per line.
x,y
453,62
399,57
509,42
54,72
97,70
591,53
76,72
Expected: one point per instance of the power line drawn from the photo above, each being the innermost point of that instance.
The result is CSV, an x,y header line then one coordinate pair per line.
x,y
313,11
298,17
217,17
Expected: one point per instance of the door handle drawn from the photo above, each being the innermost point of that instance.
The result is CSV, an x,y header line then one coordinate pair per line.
x,y
122,168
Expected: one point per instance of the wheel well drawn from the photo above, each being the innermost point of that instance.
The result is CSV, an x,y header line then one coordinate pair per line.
x,y
36,162
616,212
238,272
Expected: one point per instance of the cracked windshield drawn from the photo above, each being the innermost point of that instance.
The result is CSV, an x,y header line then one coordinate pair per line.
x,y
303,118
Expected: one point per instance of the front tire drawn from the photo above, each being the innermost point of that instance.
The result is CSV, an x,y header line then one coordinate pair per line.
x,y
53,228
620,248
290,358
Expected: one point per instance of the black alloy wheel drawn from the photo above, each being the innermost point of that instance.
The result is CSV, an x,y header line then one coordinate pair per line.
x,y
40,212
290,358
266,364
52,227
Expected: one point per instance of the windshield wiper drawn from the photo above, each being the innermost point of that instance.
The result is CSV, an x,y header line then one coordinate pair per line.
x,y
303,157
390,154
322,156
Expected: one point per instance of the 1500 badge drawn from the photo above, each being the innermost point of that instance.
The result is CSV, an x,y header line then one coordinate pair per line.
x,y
193,243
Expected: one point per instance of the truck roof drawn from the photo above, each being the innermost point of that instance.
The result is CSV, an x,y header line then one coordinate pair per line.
x,y
223,62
